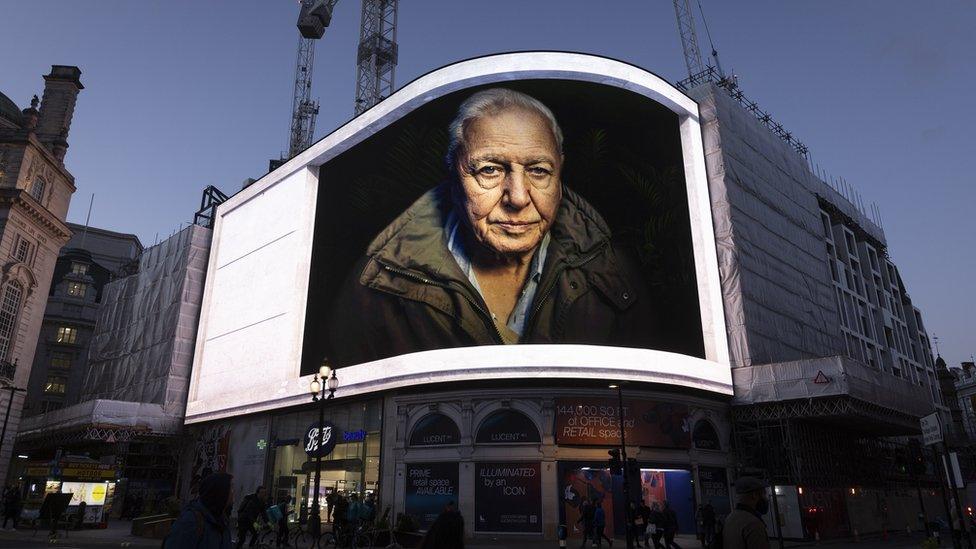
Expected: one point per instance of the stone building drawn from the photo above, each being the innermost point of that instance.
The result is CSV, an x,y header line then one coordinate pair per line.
x,y
91,259
35,190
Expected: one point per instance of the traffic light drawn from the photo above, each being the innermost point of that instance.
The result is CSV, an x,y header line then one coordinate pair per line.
x,y
616,466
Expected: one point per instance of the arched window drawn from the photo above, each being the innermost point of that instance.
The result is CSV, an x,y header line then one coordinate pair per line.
x,y
37,189
435,430
9,306
704,436
507,427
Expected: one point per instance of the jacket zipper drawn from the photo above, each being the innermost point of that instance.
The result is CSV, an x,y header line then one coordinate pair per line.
x,y
462,292
552,284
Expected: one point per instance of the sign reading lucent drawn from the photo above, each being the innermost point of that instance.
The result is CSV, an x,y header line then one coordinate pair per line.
x,y
328,437
594,422
507,427
704,436
430,487
508,497
435,430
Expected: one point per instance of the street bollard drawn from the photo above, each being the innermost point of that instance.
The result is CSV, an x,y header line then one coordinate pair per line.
x,y
561,533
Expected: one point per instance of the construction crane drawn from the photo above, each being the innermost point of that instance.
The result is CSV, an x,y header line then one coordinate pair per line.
x,y
377,53
689,39
376,61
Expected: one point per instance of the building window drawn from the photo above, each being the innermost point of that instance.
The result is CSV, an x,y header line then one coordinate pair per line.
x,y
8,316
55,385
77,289
79,268
23,250
50,406
37,189
61,361
67,335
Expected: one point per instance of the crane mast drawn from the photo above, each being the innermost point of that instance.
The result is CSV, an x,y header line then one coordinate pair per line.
x,y
689,38
304,109
377,54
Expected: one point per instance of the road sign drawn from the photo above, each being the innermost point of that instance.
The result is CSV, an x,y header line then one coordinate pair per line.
x,y
931,429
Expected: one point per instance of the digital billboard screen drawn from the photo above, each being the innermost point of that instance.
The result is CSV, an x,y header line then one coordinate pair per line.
x,y
537,211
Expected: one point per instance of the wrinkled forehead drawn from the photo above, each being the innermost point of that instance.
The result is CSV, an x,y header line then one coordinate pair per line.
x,y
512,119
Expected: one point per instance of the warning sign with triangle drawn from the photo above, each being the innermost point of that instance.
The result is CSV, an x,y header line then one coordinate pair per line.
x,y
821,378
110,437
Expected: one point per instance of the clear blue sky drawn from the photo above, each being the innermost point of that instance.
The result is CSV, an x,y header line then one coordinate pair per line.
x,y
181,94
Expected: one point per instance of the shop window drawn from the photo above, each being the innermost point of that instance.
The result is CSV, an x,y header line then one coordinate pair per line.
x,y
55,385
507,427
77,289
435,430
66,334
9,308
79,268
704,436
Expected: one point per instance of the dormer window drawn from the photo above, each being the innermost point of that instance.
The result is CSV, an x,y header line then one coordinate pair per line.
x,y
79,268
37,189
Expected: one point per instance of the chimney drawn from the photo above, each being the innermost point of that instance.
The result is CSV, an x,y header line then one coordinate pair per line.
x,y
61,89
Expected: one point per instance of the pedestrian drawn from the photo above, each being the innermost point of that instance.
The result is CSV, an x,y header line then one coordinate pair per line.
x,y
204,523
657,525
586,519
11,506
80,515
283,511
645,513
356,511
330,501
600,524
744,527
447,532
369,508
670,526
635,524
708,524
252,509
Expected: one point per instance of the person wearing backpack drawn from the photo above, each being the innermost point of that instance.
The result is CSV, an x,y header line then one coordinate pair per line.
x,y
203,524
251,509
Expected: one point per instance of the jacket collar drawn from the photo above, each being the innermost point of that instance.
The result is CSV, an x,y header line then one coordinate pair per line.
x,y
416,241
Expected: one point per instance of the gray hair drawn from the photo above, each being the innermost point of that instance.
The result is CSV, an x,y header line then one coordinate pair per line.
x,y
492,101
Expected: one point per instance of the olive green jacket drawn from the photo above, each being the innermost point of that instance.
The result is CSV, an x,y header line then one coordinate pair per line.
x,y
409,294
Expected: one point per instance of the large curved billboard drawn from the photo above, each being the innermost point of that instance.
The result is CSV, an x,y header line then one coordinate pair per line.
x,y
540,214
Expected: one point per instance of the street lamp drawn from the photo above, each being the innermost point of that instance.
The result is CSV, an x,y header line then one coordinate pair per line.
x,y
6,418
324,382
628,534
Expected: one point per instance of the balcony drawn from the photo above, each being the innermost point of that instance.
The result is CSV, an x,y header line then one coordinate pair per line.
x,y
831,389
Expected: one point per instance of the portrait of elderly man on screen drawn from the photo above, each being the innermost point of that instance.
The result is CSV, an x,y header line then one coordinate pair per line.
x,y
502,253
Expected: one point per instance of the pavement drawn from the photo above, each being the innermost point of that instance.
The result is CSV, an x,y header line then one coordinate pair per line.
x,y
117,535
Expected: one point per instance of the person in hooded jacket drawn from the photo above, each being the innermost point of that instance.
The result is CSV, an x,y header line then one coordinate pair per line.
x,y
204,522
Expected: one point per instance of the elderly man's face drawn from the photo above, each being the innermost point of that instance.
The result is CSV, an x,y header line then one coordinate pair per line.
x,y
509,171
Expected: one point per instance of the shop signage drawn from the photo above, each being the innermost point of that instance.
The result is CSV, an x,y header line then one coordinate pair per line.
x,y
329,438
714,485
435,430
430,487
595,422
354,436
931,429
507,427
74,470
704,436
508,497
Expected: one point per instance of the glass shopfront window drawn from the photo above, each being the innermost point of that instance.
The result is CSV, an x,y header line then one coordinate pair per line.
x,y
352,467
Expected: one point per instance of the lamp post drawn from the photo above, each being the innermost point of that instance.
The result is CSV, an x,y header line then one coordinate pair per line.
x,y
323,382
13,390
626,466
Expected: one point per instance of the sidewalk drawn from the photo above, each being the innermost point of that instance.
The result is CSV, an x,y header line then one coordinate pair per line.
x,y
116,535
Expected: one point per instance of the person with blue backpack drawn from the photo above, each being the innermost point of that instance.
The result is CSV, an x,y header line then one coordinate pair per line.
x,y
205,521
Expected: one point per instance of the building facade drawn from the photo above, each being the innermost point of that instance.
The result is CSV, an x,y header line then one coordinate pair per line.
x,y
91,259
831,362
35,190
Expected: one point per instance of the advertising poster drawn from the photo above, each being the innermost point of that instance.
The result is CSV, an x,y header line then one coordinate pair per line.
x,y
435,430
653,487
508,497
430,488
595,422
714,485
582,484
396,227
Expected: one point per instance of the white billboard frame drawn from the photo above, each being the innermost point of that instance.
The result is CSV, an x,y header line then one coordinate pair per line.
x,y
238,312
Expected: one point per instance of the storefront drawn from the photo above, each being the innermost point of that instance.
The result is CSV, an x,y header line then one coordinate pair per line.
x,y
489,453
91,483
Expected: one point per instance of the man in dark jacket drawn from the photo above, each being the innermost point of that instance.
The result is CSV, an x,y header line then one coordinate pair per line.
x,y
500,254
203,523
252,508
744,527
586,519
